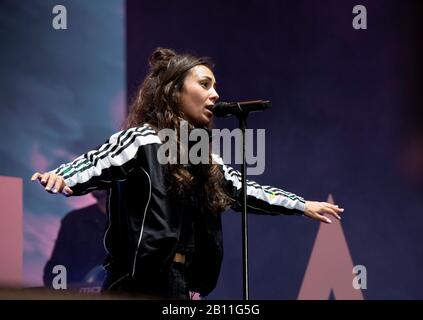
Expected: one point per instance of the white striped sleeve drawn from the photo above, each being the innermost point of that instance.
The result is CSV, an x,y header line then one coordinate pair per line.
x,y
111,161
261,198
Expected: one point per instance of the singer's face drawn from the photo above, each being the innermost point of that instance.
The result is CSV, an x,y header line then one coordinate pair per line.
x,y
198,95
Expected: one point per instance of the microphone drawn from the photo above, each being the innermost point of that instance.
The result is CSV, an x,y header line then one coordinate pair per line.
x,y
223,109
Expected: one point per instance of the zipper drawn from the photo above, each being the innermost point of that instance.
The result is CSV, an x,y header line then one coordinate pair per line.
x,y
143,221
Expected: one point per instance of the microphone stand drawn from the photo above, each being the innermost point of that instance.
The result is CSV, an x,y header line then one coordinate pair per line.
x,y
242,118
236,110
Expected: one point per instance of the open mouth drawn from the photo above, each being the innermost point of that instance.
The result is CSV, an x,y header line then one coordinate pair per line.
x,y
209,112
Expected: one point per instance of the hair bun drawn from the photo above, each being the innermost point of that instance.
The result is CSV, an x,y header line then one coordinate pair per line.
x,y
160,58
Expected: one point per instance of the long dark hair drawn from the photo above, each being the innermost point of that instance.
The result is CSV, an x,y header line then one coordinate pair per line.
x,y
156,103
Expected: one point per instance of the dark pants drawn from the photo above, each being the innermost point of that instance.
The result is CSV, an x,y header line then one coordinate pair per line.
x,y
169,285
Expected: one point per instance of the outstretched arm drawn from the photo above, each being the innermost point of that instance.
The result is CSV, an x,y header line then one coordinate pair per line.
x,y
96,169
272,200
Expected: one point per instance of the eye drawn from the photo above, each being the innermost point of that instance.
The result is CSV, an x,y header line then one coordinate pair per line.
x,y
204,84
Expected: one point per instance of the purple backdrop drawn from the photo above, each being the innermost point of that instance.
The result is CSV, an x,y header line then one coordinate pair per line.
x,y
344,121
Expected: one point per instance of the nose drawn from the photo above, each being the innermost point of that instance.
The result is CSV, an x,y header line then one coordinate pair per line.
x,y
214,95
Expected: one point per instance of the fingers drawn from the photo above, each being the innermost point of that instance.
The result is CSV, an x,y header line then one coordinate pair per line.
x,y
317,210
35,176
58,185
329,208
67,191
323,218
331,205
332,212
316,216
44,178
336,208
53,183
332,209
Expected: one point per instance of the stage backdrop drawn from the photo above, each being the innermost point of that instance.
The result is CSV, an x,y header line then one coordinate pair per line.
x,y
62,93
344,127
344,121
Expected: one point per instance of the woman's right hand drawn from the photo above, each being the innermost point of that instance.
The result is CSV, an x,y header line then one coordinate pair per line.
x,y
52,183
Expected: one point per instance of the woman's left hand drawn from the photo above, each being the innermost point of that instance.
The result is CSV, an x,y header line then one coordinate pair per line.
x,y
316,210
